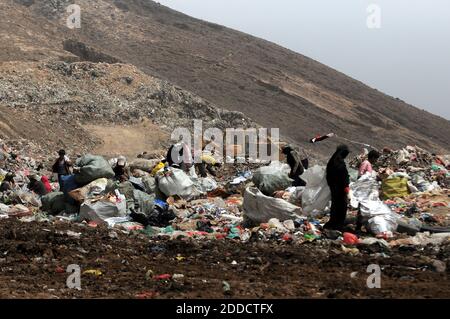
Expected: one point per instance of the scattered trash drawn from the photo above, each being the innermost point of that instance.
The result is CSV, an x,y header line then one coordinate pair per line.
x,y
163,277
226,287
147,295
94,272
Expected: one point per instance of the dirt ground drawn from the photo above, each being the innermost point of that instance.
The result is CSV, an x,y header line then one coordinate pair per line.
x,y
34,257
127,140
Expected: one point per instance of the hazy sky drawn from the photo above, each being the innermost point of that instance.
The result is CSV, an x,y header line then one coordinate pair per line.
x,y
407,57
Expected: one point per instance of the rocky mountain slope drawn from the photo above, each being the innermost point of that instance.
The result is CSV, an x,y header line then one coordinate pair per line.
x,y
71,105
272,85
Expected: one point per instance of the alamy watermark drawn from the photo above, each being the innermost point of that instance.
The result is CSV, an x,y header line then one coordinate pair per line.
x,y
374,280
374,18
232,145
74,279
74,19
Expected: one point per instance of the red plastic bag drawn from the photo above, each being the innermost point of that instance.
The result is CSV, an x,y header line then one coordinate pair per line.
x,y
163,277
351,239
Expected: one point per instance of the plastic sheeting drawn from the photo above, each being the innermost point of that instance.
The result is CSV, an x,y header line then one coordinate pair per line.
x,y
377,215
260,208
317,194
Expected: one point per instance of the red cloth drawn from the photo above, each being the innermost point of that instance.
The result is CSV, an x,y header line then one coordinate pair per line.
x,y
44,180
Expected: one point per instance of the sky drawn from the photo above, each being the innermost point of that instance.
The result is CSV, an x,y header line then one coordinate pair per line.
x,y
405,53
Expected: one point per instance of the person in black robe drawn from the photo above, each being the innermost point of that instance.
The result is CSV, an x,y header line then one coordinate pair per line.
x,y
338,180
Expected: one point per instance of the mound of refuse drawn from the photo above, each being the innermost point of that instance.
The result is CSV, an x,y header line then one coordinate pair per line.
x,y
246,202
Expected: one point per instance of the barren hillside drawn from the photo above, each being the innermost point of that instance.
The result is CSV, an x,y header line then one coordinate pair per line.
x,y
272,85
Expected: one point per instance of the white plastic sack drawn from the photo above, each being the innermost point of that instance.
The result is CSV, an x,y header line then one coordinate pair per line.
x,y
176,182
317,194
260,208
101,210
112,221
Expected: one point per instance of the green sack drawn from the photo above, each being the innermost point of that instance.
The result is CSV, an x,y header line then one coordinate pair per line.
x,y
92,167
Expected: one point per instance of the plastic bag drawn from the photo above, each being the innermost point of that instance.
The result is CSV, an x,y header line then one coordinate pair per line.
x,y
103,209
317,194
272,178
375,214
365,189
260,208
28,198
395,187
403,157
157,168
149,184
143,202
205,185
144,164
92,167
421,184
353,173
422,239
53,203
176,182
94,188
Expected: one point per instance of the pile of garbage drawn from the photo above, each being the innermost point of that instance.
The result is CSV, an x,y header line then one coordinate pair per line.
x,y
410,193
247,203
425,171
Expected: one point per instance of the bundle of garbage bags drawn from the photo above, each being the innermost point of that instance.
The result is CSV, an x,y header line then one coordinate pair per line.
x,y
260,205
142,199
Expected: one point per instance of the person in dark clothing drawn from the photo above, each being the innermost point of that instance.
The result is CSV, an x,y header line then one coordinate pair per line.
x,y
338,180
297,168
37,186
179,155
8,183
174,154
61,166
121,169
